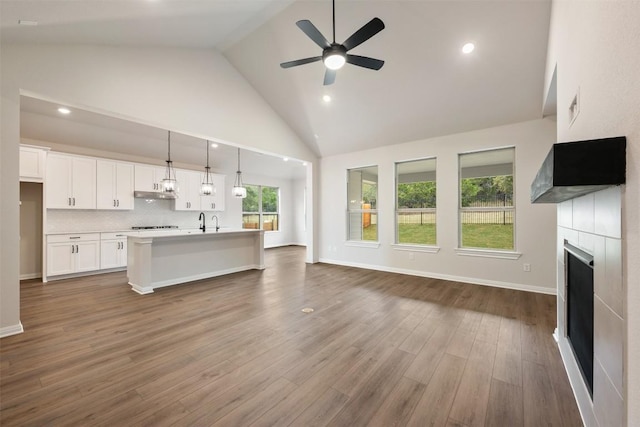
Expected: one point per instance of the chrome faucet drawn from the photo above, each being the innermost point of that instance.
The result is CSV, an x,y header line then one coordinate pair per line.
x,y
217,226
202,218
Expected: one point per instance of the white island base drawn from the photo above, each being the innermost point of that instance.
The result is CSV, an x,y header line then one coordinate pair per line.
x,y
159,259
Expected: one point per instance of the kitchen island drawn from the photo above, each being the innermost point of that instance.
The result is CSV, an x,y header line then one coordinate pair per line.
x,y
158,259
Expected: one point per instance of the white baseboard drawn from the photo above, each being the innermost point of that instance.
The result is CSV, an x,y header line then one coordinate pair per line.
x,y
7,331
471,280
29,276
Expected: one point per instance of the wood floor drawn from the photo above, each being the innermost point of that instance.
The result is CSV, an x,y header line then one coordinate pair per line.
x,y
380,349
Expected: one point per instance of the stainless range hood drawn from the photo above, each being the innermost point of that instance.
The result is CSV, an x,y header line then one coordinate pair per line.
x,y
573,169
154,195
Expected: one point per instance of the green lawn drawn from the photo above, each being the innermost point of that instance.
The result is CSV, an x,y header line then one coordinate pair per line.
x,y
494,236
417,234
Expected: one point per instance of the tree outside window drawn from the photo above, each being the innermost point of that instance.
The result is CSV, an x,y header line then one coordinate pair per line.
x,y
416,202
260,209
487,211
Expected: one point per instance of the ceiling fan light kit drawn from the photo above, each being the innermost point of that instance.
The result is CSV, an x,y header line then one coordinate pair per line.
x,y
334,55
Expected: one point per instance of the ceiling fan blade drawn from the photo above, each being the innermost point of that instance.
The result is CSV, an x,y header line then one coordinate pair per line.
x,y
329,77
300,62
367,31
365,61
313,33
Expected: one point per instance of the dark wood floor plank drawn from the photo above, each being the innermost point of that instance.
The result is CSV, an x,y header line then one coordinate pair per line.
x,y
505,406
540,405
470,404
372,393
379,349
433,408
321,411
399,405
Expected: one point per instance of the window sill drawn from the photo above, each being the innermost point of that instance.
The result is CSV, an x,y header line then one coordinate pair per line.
x,y
362,244
488,253
416,248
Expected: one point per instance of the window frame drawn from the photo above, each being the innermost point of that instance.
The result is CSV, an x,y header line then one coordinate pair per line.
x,y
375,211
431,248
261,212
488,252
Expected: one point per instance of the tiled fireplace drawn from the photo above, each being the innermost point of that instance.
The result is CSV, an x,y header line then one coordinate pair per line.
x,y
592,224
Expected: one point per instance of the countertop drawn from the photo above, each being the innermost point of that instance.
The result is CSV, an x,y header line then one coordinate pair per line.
x,y
187,232
159,232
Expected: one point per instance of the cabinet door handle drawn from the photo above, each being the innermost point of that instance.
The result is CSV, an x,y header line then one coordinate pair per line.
x,y
114,203
73,249
118,202
69,201
74,201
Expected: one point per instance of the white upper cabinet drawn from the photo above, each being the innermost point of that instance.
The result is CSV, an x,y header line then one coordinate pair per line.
x,y
32,163
188,190
114,185
70,182
215,202
148,178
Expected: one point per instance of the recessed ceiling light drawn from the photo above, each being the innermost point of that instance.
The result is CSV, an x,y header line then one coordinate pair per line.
x,y
63,110
326,98
468,48
304,163
315,135
214,145
28,23
286,159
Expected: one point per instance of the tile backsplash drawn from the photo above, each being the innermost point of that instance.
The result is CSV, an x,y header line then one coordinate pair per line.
x,y
146,212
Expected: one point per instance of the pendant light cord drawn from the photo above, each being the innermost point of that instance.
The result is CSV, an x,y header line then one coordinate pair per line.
x,y
169,148
334,21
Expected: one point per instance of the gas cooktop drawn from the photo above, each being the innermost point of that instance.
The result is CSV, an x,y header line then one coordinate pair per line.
x,y
153,227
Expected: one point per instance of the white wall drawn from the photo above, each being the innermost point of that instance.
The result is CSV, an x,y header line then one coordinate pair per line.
x,y
596,47
299,213
195,92
535,224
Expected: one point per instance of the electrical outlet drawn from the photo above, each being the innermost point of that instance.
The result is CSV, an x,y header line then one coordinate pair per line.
x,y
526,267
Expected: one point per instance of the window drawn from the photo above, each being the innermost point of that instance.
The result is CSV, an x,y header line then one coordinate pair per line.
x,y
416,202
362,196
260,208
486,199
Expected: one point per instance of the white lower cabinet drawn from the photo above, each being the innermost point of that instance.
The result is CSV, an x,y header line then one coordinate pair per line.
x,y
113,250
73,253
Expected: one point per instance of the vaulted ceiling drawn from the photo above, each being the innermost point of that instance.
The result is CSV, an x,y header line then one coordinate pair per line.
x,y
426,88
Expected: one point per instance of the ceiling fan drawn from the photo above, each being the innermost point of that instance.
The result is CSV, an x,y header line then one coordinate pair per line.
x,y
335,55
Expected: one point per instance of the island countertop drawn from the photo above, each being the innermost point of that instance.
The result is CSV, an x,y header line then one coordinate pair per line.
x,y
187,232
163,258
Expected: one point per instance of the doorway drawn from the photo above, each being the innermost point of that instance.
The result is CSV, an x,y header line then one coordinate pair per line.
x,y
30,230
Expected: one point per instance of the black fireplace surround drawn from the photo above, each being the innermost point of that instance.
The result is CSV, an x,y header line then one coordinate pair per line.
x,y
579,280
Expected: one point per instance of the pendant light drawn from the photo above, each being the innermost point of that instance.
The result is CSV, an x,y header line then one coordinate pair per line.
x,y
238,190
207,188
169,183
